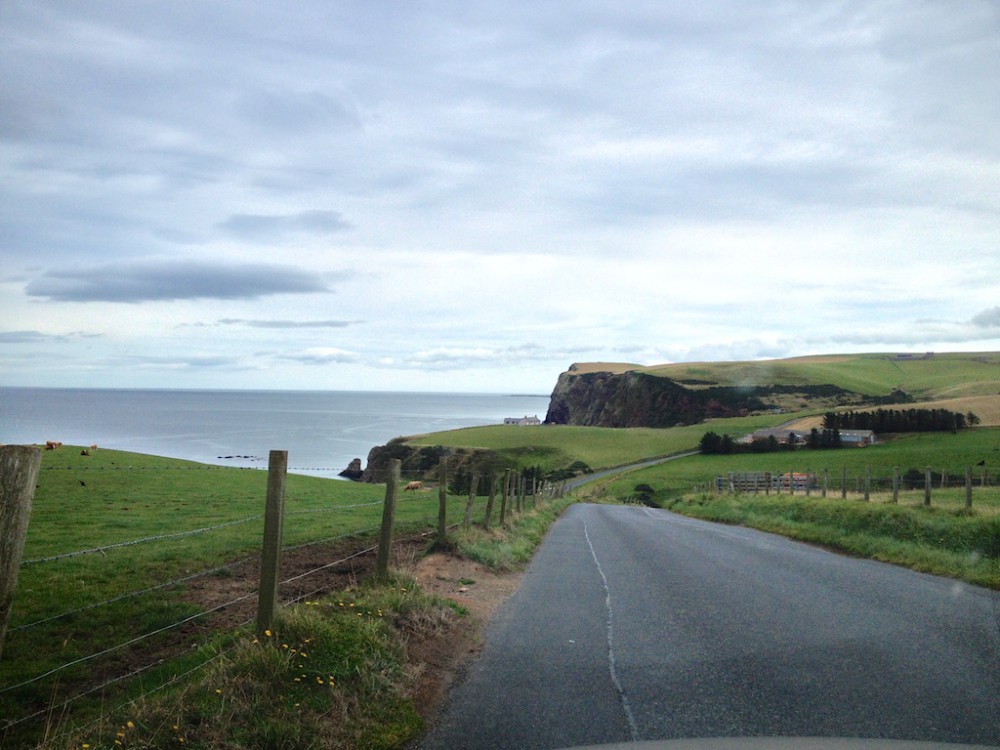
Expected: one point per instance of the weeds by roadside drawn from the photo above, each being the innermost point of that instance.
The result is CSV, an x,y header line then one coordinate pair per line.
x,y
331,673
510,547
948,542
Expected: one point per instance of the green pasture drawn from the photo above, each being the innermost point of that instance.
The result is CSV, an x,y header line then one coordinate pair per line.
x,y
112,498
942,376
558,446
943,452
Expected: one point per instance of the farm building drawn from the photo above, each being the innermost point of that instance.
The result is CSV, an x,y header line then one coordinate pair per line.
x,y
782,435
523,421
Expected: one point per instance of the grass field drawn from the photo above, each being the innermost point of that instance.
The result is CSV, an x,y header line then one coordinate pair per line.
x,y
557,446
142,522
942,376
943,452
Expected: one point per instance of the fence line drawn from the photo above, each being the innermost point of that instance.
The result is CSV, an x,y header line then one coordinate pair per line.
x,y
130,642
143,637
177,678
134,594
143,540
808,482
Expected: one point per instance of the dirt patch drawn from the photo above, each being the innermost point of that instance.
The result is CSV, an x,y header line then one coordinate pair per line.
x,y
438,659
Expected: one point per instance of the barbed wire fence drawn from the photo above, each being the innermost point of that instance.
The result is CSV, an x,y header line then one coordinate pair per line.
x,y
68,686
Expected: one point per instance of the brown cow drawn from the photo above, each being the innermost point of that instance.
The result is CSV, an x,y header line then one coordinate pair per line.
x,y
413,487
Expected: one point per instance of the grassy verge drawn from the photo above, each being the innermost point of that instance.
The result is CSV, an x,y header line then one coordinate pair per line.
x,y
510,547
949,542
330,674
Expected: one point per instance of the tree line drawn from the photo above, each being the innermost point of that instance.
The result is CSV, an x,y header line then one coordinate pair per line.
x,y
900,420
816,439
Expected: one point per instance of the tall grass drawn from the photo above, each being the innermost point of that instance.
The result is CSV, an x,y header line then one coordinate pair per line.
x,y
510,547
330,674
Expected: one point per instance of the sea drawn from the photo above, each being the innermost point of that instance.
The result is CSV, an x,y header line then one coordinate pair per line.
x,y
321,430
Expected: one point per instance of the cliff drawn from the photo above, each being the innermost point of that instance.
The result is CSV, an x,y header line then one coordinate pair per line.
x,y
635,399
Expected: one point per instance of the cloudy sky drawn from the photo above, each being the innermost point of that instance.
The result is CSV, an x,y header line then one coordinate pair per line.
x,y
470,196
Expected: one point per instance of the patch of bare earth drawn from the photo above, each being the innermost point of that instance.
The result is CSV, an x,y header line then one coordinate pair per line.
x,y
439,658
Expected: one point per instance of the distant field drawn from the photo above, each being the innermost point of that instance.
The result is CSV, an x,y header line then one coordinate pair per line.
x,y
987,408
943,452
557,446
942,376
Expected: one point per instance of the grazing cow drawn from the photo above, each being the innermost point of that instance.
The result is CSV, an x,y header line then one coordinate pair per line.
x,y
51,445
413,487
85,452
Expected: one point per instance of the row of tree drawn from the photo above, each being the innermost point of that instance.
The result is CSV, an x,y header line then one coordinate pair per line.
x,y
900,420
816,439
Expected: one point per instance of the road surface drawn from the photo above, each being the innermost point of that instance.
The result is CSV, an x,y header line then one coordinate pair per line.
x,y
638,624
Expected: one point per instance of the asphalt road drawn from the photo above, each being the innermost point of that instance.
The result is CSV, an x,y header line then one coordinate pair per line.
x,y
638,624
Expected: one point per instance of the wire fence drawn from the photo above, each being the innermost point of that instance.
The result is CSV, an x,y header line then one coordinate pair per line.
x,y
153,622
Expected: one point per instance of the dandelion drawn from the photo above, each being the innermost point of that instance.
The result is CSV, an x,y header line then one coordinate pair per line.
x,y
268,633
218,692
130,724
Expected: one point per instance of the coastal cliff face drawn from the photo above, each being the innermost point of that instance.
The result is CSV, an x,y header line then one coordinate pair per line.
x,y
635,399
618,397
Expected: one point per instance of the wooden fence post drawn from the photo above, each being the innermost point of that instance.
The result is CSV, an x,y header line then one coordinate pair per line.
x,y
270,559
968,486
489,501
19,466
503,497
927,486
843,483
868,483
473,491
895,484
442,534
826,481
388,514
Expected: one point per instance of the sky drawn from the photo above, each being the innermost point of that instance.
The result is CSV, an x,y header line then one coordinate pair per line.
x,y
459,196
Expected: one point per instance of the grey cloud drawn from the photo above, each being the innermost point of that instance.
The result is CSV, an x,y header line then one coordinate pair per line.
x,y
261,226
288,323
297,111
172,280
987,318
26,337
322,356
36,337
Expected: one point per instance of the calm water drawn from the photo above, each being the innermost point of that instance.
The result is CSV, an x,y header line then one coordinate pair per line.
x,y
321,430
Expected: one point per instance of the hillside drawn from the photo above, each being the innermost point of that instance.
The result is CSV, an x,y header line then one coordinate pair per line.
x,y
621,395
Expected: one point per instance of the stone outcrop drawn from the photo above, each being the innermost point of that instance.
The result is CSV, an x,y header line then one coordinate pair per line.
x,y
422,462
353,470
591,397
635,399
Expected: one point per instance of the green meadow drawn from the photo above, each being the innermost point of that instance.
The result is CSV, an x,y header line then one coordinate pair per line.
x,y
947,375
558,446
141,522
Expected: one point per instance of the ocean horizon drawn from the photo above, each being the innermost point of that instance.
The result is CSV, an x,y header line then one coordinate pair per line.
x,y
323,431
